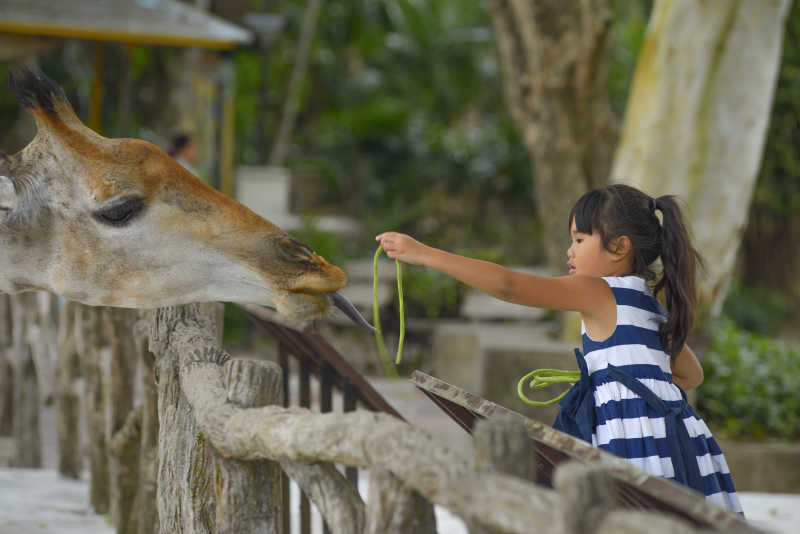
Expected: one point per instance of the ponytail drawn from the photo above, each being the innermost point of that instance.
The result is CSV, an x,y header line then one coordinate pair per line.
x,y
679,261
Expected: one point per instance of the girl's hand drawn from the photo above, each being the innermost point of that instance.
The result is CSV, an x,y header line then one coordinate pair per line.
x,y
402,247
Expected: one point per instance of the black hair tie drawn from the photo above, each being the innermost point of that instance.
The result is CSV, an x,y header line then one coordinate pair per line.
x,y
654,205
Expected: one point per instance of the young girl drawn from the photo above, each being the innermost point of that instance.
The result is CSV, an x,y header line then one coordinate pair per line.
x,y
637,360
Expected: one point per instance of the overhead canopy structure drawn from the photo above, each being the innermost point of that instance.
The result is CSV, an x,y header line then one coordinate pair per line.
x,y
156,22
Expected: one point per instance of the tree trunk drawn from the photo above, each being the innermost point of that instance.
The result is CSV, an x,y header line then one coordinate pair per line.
x,y
697,116
67,395
552,55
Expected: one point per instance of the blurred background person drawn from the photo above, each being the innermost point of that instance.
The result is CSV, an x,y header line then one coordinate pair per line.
x,y
184,150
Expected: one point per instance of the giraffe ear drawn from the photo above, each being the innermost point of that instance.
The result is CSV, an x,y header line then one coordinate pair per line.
x,y
8,195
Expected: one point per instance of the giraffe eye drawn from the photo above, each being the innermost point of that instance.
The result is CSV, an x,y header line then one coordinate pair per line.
x,y
120,214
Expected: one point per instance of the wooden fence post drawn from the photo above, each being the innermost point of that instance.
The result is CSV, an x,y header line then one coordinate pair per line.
x,y
124,452
185,485
123,458
394,508
28,444
145,509
89,342
588,493
502,445
249,496
6,370
591,503
42,334
67,396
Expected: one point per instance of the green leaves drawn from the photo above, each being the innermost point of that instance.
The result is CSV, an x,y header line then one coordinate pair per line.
x,y
751,385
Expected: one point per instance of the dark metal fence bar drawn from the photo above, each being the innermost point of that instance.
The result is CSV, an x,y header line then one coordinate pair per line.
x,y
304,393
283,361
350,405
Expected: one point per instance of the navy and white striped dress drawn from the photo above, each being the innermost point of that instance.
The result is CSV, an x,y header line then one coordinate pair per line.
x,y
625,424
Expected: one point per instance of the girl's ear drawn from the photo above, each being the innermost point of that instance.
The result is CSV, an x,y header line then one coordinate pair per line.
x,y
620,246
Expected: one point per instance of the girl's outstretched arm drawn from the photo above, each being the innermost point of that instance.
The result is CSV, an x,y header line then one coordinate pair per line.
x,y
687,372
589,295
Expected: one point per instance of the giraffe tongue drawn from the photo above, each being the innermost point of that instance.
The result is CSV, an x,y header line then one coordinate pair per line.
x,y
350,311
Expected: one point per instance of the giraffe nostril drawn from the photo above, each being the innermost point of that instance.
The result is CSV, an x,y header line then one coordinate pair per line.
x,y
292,250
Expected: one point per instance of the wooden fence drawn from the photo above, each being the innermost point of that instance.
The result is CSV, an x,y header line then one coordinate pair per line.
x,y
219,434
207,450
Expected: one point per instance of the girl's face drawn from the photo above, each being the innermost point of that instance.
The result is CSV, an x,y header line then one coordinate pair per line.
x,y
588,256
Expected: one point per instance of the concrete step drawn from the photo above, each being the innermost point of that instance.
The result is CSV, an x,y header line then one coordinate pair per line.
x,y
483,307
480,306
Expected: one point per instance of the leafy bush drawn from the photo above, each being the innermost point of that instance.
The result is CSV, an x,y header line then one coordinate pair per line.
x,y
755,309
751,385
428,293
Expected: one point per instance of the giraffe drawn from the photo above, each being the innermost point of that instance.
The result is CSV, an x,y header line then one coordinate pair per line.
x,y
117,222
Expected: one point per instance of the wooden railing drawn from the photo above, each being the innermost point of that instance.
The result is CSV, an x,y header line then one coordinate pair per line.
x,y
224,432
208,448
314,356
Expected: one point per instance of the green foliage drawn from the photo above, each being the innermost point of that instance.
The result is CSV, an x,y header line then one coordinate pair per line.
x,y
779,182
428,293
401,98
756,309
329,245
751,384
774,220
235,326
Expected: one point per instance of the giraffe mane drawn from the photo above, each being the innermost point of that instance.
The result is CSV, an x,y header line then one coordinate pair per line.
x,y
35,90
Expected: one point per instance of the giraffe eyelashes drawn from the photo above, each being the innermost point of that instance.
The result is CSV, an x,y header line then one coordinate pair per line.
x,y
121,213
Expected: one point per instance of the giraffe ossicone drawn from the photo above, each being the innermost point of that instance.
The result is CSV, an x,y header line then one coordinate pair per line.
x,y
117,222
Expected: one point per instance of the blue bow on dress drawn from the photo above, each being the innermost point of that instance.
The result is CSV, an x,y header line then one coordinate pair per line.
x,y
576,416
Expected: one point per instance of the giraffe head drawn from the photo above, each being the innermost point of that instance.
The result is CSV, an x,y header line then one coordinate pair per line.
x,y
117,222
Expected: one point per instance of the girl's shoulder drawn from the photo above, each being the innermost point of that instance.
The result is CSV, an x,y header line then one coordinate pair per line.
x,y
628,282
633,291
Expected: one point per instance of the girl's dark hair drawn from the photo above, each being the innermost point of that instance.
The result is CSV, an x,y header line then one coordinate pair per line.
x,y
621,210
